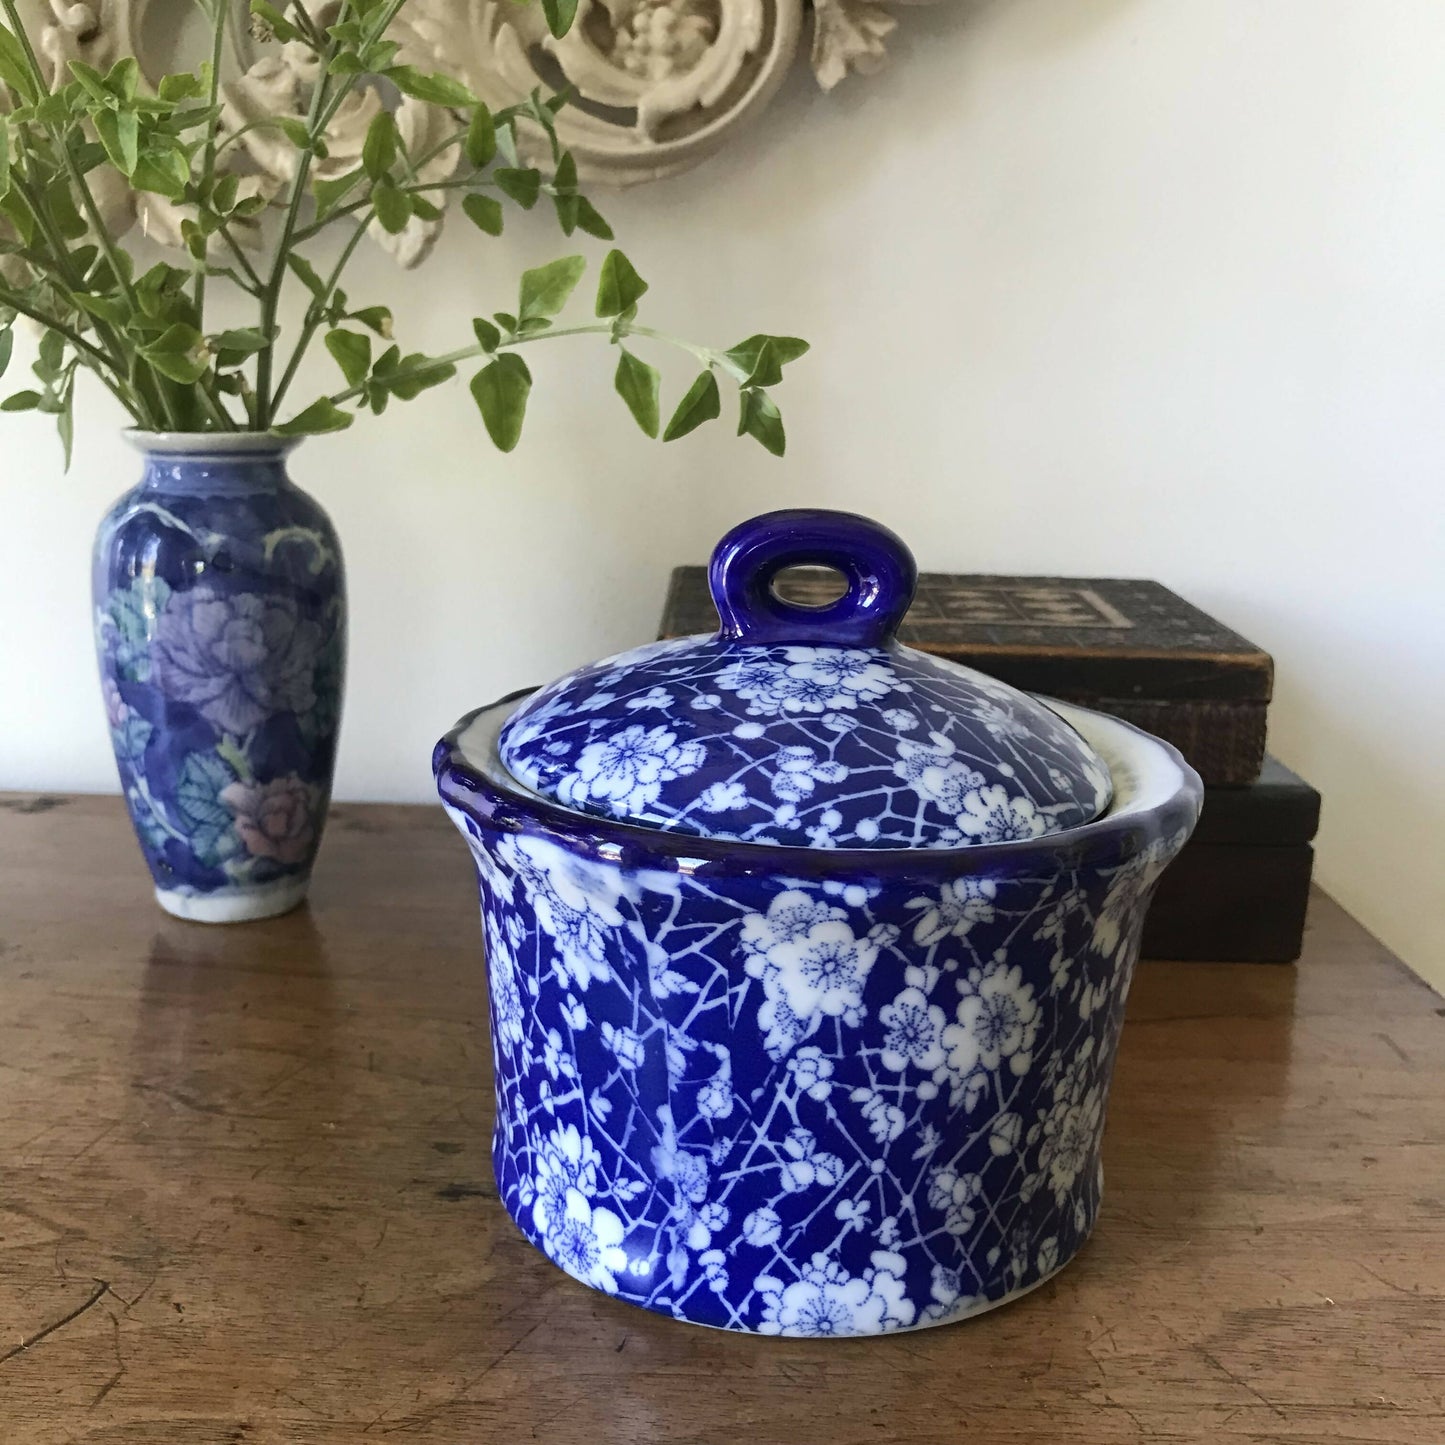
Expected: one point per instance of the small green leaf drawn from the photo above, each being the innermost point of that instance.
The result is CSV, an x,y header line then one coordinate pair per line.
x,y
619,285
323,415
560,15
487,335
565,197
119,133
485,212
376,318
65,425
247,341
523,186
165,173
378,150
546,289
184,86
307,274
702,403
744,356
15,68
393,207
177,353
762,420
7,349
589,219
640,386
294,130
481,138
124,78
92,82
52,356
21,401
347,63
505,320
330,194
434,89
107,308
223,193
766,370
422,372
352,351
501,389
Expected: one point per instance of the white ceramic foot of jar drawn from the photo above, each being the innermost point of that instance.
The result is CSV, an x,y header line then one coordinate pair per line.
x,y
234,905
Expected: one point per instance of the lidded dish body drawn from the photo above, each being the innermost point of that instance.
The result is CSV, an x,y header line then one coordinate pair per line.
x,y
808,954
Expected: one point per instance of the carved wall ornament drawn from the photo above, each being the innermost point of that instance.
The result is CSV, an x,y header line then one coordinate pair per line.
x,y
658,85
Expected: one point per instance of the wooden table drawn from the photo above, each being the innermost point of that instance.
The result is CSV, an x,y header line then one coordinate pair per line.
x,y
245,1197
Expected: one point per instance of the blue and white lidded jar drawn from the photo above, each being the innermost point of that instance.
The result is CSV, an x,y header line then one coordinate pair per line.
x,y
808,954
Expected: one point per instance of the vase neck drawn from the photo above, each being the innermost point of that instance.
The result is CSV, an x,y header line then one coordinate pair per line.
x,y
232,464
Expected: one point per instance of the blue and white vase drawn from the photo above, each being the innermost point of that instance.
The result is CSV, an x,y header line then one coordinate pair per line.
x,y
220,616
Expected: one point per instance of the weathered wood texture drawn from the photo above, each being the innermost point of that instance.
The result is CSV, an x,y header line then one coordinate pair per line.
x,y
245,1197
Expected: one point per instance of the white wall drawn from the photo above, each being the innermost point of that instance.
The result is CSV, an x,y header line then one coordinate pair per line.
x,y
1131,287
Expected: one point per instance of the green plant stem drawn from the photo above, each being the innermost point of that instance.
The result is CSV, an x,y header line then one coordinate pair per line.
x,y
468,353
271,297
208,165
421,188
257,285
320,114
314,316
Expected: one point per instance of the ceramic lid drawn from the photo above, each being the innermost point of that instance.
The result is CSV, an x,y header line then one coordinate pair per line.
x,y
806,726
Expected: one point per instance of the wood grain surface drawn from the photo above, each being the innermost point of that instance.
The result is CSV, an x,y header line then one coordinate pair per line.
x,y
245,1197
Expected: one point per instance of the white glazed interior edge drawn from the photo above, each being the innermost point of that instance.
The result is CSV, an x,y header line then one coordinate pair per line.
x,y
1146,773
200,444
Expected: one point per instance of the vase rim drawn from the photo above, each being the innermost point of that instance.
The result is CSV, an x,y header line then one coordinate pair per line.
x,y
211,443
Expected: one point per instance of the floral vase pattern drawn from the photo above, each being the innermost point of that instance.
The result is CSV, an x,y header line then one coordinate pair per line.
x,y
220,628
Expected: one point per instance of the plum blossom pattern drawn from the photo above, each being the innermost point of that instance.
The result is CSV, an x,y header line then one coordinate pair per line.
x,y
799,1106
624,772
220,631
806,746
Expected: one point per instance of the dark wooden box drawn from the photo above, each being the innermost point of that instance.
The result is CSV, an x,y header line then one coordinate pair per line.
x,y
1239,890
1131,648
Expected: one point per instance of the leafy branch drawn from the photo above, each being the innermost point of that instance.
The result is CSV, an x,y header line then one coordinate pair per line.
x,y
184,154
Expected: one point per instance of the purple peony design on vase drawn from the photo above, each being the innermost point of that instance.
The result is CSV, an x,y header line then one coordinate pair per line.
x,y
238,660
220,628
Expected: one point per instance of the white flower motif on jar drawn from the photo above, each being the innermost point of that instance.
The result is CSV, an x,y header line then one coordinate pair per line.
x,y
800,770
997,1020
913,1031
957,908
935,774
828,1301
811,964
626,771
991,815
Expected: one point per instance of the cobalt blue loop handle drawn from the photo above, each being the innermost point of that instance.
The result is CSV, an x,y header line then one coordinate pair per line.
x,y
879,569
